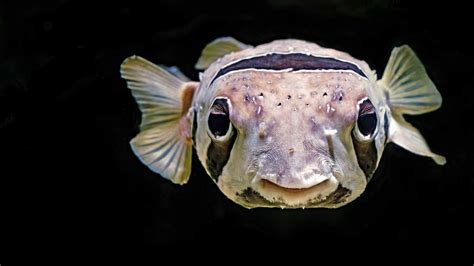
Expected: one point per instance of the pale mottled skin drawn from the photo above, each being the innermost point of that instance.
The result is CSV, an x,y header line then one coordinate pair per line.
x,y
291,126
286,124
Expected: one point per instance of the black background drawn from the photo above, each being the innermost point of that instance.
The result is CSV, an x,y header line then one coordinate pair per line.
x,y
66,119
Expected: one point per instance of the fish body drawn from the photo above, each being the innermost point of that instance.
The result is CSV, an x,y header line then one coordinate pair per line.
x,y
285,124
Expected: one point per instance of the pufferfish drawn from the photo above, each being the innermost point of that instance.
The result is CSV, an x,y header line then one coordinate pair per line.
x,y
286,124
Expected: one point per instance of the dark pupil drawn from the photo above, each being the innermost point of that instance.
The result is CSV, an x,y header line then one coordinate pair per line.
x,y
218,121
367,120
367,123
218,124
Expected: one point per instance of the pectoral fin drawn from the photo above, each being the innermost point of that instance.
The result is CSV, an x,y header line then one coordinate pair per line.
x,y
407,136
409,91
164,142
217,49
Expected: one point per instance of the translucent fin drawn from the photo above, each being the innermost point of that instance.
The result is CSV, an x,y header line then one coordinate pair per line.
x,y
410,89
217,49
407,136
175,71
164,142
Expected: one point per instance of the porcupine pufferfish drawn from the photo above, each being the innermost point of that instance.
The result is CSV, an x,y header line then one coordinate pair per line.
x,y
285,124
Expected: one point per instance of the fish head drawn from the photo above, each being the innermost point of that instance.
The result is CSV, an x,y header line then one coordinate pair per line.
x,y
290,139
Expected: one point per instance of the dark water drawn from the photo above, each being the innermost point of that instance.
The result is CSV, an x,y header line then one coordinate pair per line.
x,y
67,117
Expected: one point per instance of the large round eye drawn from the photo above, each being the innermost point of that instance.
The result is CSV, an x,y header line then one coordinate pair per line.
x,y
218,122
366,125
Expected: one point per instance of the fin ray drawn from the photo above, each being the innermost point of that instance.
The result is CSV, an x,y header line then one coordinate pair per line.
x,y
407,136
217,49
161,145
410,91
404,77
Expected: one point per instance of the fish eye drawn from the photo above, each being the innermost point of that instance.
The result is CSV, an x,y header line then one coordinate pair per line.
x,y
366,125
218,122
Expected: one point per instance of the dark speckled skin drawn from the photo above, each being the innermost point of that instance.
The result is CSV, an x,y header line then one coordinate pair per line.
x,y
292,106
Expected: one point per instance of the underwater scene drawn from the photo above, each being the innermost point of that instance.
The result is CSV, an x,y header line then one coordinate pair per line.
x,y
151,124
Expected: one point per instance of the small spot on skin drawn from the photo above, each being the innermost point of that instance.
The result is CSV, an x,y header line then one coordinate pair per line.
x,y
288,97
339,96
325,94
279,105
246,97
300,96
260,95
307,105
269,82
291,151
319,107
273,91
245,86
313,93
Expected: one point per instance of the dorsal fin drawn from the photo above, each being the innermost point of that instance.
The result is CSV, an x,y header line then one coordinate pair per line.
x,y
217,49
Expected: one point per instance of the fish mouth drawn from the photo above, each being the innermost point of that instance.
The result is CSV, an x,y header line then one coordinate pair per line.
x,y
297,184
270,184
292,194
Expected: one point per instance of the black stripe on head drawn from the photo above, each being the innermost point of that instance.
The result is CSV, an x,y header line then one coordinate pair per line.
x,y
295,61
218,154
